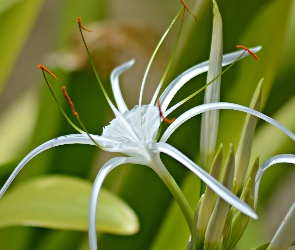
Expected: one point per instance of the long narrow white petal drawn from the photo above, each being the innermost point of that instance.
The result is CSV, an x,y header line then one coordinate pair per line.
x,y
67,139
284,158
284,237
116,87
221,105
182,79
217,187
107,167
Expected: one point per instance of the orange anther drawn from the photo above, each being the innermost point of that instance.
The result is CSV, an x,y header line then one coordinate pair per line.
x,y
40,66
187,8
165,119
66,95
249,51
81,25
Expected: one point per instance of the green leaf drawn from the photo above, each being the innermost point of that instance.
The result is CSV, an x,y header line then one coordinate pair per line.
x,y
7,4
209,200
240,220
13,136
15,27
220,211
210,120
61,202
245,144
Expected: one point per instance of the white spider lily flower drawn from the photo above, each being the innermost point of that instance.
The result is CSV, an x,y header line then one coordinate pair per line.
x,y
138,140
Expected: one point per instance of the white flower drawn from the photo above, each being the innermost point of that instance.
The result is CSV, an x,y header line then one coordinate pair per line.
x,y
134,133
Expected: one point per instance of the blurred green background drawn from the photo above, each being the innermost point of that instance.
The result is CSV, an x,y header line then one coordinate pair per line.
x,y
36,31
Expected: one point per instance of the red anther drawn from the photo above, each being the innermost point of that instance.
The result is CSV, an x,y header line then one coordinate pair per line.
x,y
40,66
249,51
165,119
66,95
187,8
81,25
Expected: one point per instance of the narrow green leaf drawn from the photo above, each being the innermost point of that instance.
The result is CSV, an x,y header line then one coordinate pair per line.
x,y
196,217
209,199
227,230
210,120
219,214
240,221
61,202
245,144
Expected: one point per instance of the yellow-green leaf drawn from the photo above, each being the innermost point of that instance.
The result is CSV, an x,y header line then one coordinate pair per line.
x,y
61,202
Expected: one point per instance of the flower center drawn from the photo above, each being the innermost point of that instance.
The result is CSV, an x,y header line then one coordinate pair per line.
x,y
147,128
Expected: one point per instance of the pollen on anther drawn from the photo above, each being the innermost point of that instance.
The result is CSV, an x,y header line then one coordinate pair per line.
x,y
249,51
66,95
40,66
187,8
81,25
165,119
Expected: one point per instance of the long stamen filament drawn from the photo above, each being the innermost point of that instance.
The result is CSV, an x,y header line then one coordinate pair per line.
x,y
169,63
76,114
91,60
116,112
205,86
168,66
55,98
152,59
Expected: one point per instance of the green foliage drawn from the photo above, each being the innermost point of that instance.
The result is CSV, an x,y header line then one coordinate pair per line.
x,y
61,202
251,23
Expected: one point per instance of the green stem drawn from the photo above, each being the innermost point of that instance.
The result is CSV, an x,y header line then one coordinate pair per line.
x,y
163,173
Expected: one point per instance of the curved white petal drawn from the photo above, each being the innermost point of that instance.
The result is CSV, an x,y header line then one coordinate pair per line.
x,y
107,167
221,105
179,81
284,158
116,87
217,187
62,140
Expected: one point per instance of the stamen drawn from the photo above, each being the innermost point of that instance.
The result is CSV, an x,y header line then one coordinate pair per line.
x,y
54,97
81,25
165,119
66,95
187,8
205,86
249,51
40,66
